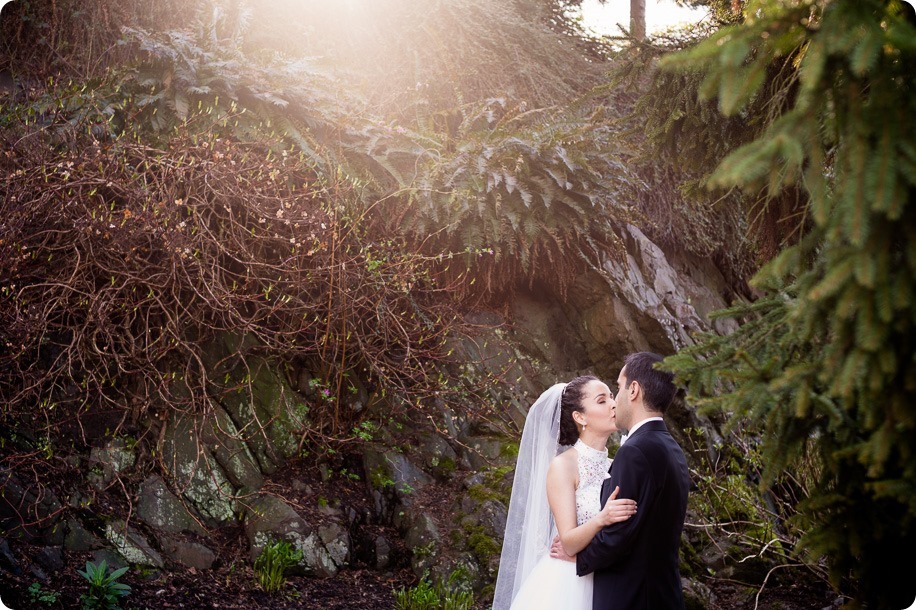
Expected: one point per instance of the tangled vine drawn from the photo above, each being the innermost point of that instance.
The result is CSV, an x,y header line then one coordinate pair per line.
x,y
120,262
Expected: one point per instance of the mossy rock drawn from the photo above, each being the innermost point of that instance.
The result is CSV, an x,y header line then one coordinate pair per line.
x,y
271,411
197,474
269,519
162,510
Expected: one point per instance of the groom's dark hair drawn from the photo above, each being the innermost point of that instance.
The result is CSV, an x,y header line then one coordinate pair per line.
x,y
658,387
571,400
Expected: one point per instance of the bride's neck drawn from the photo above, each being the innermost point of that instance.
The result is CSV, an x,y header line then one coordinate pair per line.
x,y
595,441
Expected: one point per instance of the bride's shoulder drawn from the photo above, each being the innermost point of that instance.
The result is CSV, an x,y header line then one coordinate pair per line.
x,y
569,457
564,467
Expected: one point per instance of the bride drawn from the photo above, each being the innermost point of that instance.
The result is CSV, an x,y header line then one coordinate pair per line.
x,y
556,491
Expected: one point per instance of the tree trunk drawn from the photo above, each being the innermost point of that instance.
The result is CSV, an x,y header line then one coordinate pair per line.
x,y
638,19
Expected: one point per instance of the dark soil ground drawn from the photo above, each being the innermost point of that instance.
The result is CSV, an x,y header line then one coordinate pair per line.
x,y
350,590
225,588
231,583
234,587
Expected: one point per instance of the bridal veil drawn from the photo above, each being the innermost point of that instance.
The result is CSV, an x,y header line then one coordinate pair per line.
x,y
529,526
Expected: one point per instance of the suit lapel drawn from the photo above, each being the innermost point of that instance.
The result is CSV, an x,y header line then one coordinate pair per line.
x,y
606,487
646,428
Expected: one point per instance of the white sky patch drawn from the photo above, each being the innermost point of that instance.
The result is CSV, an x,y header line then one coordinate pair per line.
x,y
602,19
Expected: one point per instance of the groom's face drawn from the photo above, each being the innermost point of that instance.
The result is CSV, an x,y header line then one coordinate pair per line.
x,y
624,412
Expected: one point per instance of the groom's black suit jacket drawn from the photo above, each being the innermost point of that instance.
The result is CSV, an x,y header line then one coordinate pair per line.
x,y
636,562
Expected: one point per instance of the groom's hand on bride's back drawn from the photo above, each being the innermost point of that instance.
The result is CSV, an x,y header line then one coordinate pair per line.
x,y
557,552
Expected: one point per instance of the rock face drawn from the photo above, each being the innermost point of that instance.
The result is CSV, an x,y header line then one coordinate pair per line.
x,y
269,519
159,508
216,463
393,482
28,510
640,301
132,545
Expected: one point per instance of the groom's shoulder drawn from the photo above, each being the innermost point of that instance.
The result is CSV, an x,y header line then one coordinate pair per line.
x,y
655,435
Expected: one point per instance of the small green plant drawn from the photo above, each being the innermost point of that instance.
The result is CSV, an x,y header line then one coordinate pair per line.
x,y
322,389
456,600
450,594
365,430
271,565
45,447
456,593
380,479
130,442
39,595
421,597
349,475
104,589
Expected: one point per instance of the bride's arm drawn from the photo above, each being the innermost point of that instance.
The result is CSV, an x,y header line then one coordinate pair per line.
x,y
561,495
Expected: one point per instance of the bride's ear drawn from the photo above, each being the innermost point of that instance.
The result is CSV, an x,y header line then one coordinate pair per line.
x,y
579,418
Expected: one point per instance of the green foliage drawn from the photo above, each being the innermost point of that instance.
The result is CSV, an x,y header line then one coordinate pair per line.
x,y
420,597
380,479
494,485
729,500
449,594
40,595
200,78
538,192
484,546
366,431
271,565
680,140
823,362
105,592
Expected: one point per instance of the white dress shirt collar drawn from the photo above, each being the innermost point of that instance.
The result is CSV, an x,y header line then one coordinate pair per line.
x,y
636,427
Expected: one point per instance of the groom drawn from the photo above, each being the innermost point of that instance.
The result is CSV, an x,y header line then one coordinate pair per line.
x,y
636,561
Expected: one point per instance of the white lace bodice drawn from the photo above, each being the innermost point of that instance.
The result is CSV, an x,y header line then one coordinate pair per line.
x,y
593,467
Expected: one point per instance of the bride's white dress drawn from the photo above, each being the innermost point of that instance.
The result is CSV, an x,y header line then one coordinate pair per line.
x,y
553,583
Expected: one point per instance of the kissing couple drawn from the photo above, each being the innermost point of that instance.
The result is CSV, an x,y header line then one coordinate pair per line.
x,y
587,532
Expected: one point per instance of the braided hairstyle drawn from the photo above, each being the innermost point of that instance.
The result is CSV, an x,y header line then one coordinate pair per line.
x,y
571,401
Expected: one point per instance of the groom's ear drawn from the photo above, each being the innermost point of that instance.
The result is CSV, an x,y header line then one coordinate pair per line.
x,y
634,389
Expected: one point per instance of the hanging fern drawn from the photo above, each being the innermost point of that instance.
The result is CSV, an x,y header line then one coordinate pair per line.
x,y
525,186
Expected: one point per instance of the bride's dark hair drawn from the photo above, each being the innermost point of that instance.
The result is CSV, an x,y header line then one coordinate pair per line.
x,y
569,402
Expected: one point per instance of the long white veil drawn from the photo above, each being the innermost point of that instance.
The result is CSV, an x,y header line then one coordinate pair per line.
x,y
529,526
